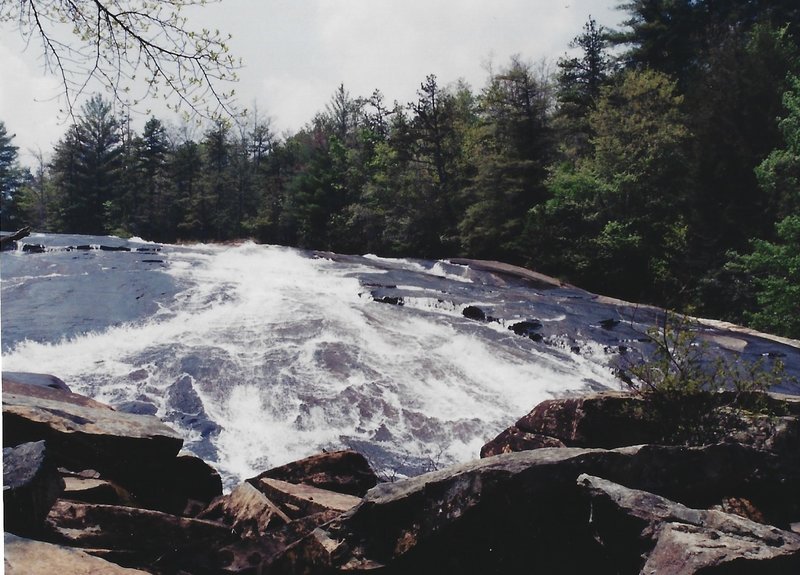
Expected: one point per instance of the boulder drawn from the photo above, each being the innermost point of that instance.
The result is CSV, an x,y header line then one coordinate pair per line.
x,y
52,392
28,557
123,447
614,419
298,500
254,556
505,513
36,379
95,490
496,515
514,439
341,471
31,484
642,532
141,536
246,511
185,482
604,420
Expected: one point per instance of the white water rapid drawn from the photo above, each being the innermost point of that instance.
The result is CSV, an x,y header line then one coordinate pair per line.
x,y
260,355
290,355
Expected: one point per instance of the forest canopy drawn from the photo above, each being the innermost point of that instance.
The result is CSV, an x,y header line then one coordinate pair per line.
x,y
658,163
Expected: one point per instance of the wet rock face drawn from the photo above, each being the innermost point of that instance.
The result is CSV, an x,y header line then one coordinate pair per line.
x,y
119,445
31,484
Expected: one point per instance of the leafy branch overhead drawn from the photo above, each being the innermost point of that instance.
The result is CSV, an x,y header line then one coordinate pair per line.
x,y
136,49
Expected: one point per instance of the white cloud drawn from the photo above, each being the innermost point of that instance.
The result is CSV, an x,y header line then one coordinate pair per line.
x,y
297,52
28,104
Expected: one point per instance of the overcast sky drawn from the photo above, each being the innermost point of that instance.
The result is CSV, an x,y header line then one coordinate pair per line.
x,y
297,52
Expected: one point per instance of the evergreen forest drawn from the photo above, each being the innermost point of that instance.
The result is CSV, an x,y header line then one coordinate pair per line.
x,y
658,163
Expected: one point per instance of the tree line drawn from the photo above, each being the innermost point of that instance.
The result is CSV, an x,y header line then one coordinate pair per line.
x,y
658,163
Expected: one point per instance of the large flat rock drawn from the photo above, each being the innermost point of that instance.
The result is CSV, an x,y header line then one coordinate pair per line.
x,y
28,557
88,437
298,500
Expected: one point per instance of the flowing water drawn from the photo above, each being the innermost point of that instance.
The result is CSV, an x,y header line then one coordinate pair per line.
x,y
260,355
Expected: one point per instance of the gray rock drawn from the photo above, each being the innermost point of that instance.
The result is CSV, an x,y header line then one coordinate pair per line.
x,y
31,484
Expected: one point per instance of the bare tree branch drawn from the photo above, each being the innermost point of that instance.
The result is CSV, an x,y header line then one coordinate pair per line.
x,y
110,41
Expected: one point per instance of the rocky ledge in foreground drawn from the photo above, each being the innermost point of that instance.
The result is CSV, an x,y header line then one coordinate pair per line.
x,y
592,487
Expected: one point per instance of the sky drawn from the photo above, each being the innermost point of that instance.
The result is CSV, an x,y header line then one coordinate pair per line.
x,y
296,53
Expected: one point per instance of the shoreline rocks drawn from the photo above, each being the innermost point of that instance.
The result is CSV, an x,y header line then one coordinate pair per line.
x,y
587,484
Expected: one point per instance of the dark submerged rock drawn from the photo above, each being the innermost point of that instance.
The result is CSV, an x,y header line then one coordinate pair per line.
x,y
474,312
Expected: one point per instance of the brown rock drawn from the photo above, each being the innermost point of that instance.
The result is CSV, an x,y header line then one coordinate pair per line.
x,y
604,420
28,557
54,392
182,483
514,439
35,379
142,535
342,471
131,450
297,500
96,490
254,556
613,419
503,514
247,511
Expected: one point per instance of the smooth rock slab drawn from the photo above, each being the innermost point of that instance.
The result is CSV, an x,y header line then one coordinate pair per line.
x,y
297,500
28,557
87,437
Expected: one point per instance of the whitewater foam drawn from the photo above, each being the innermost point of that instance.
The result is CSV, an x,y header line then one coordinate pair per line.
x,y
287,359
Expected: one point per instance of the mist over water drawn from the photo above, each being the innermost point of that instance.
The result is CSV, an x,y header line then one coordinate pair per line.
x,y
260,355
